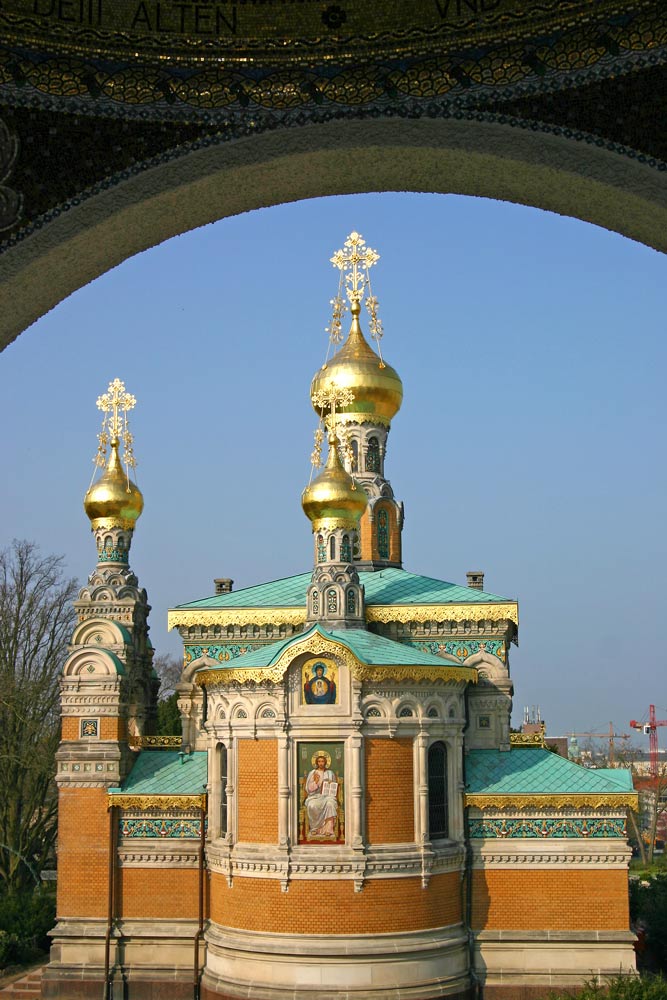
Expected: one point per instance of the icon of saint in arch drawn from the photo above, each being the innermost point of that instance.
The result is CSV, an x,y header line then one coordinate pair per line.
x,y
318,688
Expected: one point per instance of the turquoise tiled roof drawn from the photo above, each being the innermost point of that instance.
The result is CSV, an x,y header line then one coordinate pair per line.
x,y
367,647
166,772
535,771
386,586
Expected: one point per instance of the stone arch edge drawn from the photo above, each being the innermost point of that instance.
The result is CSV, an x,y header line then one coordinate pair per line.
x,y
520,162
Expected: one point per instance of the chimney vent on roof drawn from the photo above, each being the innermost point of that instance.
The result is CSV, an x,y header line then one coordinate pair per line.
x,y
223,585
475,580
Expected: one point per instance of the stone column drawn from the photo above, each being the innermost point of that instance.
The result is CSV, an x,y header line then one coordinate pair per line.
x,y
355,792
422,788
455,785
283,792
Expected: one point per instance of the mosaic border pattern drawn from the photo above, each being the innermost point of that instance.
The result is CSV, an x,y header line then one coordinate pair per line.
x,y
504,69
530,828
460,648
220,652
170,829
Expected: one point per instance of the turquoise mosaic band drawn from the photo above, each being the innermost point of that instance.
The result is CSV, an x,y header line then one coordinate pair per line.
x,y
166,829
221,653
569,827
460,648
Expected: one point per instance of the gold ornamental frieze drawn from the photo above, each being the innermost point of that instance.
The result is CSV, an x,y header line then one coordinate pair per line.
x,y
156,742
527,739
403,613
290,30
477,612
163,803
571,800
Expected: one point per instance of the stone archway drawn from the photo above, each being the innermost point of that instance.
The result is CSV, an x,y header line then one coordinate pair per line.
x,y
542,166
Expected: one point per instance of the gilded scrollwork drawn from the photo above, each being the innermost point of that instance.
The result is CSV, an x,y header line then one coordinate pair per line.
x,y
573,800
183,803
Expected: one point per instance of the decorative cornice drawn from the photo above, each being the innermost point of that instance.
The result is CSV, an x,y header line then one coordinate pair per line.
x,y
574,800
374,613
236,616
435,674
477,612
183,803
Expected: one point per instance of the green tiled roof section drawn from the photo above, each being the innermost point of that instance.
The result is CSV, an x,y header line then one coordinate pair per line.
x,y
387,586
534,771
367,647
375,649
161,772
622,775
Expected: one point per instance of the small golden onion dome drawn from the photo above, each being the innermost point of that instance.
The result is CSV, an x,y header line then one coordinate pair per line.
x,y
333,499
377,387
113,501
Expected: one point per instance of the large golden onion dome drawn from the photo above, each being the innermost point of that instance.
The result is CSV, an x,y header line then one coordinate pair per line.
x,y
376,386
333,500
113,501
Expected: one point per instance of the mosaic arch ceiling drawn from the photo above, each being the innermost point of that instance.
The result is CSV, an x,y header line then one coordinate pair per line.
x,y
95,92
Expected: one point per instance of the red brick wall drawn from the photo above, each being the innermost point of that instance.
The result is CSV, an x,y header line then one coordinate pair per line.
x,y
257,790
83,852
170,893
506,899
389,791
383,906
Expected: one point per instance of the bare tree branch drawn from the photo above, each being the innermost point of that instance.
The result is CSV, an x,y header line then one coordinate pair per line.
x,y
36,621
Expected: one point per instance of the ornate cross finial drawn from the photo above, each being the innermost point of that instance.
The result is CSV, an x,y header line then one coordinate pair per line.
x,y
327,400
115,404
354,261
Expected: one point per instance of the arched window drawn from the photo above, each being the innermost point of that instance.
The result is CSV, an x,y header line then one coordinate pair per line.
x,y
345,549
373,455
438,825
316,602
383,535
351,602
354,448
332,601
321,549
332,548
222,770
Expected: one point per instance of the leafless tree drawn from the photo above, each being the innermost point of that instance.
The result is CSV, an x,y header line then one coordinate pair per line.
x,y
36,621
168,669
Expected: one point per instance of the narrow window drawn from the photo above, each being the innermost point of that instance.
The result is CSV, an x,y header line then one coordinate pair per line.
x,y
316,602
222,761
345,549
332,548
438,826
373,455
321,549
332,601
383,535
351,602
354,448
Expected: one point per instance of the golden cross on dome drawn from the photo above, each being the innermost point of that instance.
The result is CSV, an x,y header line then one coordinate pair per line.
x,y
327,400
115,402
354,261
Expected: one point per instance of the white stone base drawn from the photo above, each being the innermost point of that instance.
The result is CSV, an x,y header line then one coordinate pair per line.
x,y
414,966
555,959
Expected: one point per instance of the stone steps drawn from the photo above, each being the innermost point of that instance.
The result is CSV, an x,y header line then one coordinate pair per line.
x,y
28,987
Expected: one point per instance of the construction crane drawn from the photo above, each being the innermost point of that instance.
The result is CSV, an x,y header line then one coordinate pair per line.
x,y
650,729
611,736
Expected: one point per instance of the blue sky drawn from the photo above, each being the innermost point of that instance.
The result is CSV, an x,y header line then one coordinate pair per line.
x,y
530,443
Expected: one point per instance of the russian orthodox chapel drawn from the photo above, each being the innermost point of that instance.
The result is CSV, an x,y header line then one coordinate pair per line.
x,y
347,815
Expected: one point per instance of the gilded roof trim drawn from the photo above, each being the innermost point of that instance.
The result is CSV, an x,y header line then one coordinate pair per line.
x,y
374,613
574,800
183,803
